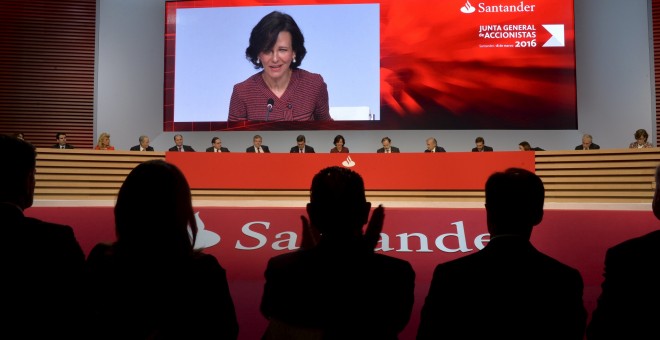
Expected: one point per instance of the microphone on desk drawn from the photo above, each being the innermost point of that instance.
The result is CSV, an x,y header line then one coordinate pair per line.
x,y
269,107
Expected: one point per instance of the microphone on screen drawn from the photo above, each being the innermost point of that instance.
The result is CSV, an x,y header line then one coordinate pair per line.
x,y
269,107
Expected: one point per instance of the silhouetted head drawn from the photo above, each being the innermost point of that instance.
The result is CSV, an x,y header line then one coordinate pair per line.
x,y
514,202
154,211
338,206
17,171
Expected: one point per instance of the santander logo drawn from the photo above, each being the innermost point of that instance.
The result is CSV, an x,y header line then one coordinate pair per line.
x,y
348,162
468,8
500,8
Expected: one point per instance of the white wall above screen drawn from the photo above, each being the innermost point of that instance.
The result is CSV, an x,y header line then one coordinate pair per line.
x,y
342,41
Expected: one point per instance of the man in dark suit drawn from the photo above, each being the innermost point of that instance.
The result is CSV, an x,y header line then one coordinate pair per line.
x,y
629,304
432,145
178,145
481,145
144,144
387,146
61,142
509,289
302,146
525,146
587,143
256,146
216,143
335,286
42,263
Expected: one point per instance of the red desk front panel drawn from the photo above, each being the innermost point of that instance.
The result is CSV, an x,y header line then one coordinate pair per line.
x,y
398,171
243,239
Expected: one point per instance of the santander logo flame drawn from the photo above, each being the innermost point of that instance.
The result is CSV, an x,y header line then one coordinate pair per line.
x,y
348,162
468,8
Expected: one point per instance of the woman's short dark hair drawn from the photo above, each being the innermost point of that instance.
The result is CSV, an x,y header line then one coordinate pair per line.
x,y
264,35
339,138
526,146
154,211
641,133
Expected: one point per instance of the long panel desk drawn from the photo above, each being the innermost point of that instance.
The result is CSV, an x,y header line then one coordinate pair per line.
x,y
595,176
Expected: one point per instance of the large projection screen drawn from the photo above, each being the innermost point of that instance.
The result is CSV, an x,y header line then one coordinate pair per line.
x,y
388,65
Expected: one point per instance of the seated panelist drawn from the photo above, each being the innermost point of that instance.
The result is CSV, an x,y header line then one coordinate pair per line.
x,y
301,146
216,146
387,146
257,146
143,146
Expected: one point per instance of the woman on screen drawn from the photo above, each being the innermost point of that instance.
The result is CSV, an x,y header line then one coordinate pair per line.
x,y
281,91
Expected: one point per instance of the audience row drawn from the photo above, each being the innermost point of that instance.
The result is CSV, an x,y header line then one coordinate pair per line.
x,y
641,141
152,283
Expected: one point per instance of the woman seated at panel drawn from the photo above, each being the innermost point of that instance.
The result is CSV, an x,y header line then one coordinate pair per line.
x,y
339,143
104,142
641,140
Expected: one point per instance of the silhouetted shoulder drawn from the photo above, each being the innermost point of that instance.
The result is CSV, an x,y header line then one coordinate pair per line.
x,y
641,246
51,235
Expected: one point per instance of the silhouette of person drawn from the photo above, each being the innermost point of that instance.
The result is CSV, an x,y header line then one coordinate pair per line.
x,y
509,289
629,304
338,288
151,283
42,263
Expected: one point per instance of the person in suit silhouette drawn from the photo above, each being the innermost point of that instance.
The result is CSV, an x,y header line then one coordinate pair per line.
x,y
338,288
301,146
143,144
152,283
480,145
216,145
61,142
179,146
432,145
387,146
509,289
257,147
629,304
42,263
